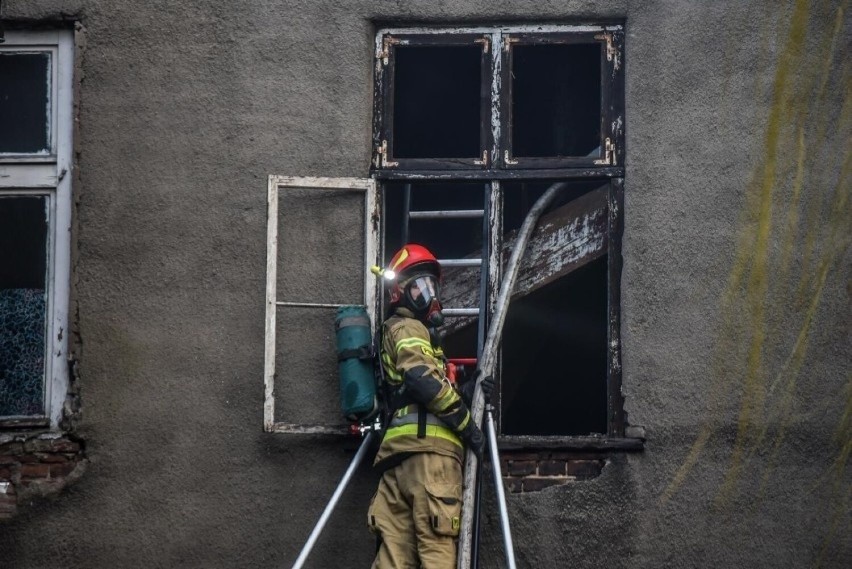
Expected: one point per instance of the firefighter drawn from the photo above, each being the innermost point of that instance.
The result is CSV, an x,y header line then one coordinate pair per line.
x,y
416,511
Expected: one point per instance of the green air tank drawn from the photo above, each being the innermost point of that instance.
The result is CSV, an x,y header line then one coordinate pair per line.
x,y
358,400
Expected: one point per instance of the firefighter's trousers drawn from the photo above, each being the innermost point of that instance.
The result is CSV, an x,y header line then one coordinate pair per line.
x,y
416,513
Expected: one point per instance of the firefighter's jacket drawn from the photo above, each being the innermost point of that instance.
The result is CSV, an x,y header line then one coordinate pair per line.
x,y
415,373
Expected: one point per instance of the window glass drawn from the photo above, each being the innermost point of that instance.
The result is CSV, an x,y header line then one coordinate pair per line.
x,y
24,103
436,102
556,100
23,257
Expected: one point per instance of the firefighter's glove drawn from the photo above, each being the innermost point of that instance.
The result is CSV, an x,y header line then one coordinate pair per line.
x,y
473,439
487,385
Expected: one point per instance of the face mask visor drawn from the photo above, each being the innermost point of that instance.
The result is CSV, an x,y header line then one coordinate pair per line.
x,y
421,291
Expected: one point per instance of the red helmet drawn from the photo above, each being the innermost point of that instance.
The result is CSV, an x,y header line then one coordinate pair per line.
x,y
414,258
414,282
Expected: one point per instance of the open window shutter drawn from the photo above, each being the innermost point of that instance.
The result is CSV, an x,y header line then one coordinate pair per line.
x,y
322,237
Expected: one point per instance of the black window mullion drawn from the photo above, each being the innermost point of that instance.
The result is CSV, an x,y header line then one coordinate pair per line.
x,y
615,231
384,127
616,98
506,107
486,140
606,102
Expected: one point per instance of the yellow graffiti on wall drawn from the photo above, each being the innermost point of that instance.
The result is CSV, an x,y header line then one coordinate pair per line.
x,y
795,236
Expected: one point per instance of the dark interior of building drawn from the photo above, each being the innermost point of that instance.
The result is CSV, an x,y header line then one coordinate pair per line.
x,y
554,341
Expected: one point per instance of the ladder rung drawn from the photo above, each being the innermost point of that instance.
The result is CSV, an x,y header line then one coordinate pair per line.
x,y
460,312
460,262
454,213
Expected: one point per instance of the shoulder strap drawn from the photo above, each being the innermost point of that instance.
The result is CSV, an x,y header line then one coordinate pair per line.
x,y
361,353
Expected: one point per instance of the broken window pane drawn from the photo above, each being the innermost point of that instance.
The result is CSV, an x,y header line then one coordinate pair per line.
x,y
556,100
23,256
519,197
24,103
436,102
447,237
554,377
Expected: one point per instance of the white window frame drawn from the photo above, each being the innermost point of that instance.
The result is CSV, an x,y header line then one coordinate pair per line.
x,y
277,185
49,175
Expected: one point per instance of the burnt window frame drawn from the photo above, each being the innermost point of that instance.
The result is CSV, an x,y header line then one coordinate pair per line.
x,y
610,170
496,109
384,106
610,75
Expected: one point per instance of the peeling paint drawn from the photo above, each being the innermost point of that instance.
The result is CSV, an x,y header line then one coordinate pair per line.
x,y
565,240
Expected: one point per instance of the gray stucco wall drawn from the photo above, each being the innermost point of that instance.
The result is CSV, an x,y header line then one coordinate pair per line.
x,y
735,286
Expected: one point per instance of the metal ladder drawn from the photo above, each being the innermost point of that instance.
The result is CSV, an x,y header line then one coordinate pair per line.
x,y
408,215
481,310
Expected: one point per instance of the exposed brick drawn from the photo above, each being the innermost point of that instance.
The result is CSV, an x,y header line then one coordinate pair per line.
x,y
39,445
8,508
27,458
585,468
64,445
11,448
534,456
35,470
536,484
521,467
513,485
61,469
51,457
552,468
5,472
576,455
9,459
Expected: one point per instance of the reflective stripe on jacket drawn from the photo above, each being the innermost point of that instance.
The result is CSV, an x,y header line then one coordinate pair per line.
x,y
415,371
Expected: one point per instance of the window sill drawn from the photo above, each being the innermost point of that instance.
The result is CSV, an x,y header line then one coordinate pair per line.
x,y
584,443
10,158
24,423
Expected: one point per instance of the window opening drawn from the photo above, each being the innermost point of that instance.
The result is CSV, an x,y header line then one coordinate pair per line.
x,y
555,336
550,109
519,197
23,249
24,102
561,306
451,238
553,379
437,101
461,342
556,100
506,98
